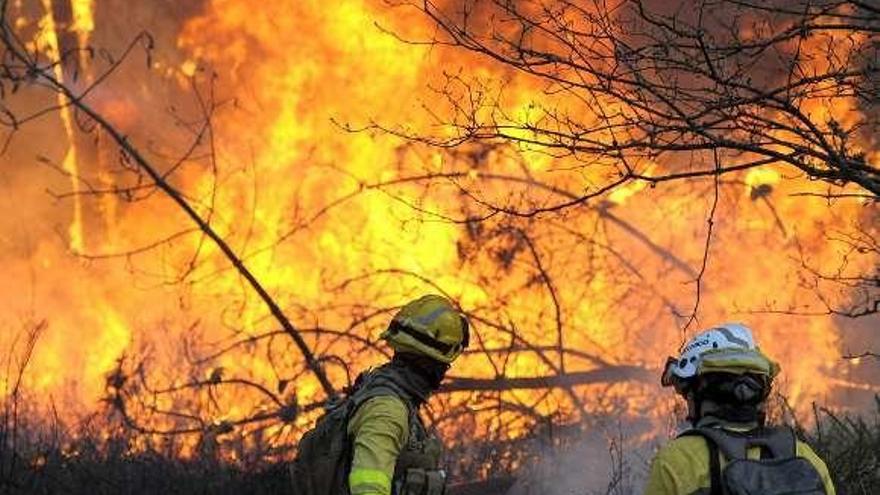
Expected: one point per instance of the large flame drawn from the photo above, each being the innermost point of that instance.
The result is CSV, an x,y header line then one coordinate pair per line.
x,y
52,45
303,202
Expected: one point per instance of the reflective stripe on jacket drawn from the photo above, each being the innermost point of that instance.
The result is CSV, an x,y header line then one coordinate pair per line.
x,y
682,467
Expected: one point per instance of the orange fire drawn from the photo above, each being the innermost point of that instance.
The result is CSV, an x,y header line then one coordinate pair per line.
x,y
337,228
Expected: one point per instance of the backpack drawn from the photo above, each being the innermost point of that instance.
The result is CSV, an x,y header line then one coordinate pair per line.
x,y
779,471
324,454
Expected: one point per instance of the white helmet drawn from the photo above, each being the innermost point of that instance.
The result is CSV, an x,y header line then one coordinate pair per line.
x,y
725,348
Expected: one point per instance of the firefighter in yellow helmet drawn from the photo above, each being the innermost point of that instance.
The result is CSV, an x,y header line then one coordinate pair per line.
x,y
726,379
391,445
374,442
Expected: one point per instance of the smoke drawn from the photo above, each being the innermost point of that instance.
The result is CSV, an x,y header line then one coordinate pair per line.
x,y
609,460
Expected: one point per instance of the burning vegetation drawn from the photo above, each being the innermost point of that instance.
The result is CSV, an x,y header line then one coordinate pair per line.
x,y
215,207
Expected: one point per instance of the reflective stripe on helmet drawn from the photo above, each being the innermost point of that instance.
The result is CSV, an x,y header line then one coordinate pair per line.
x,y
728,334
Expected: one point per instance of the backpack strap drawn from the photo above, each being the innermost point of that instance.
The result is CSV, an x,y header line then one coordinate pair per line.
x,y
732,444
716,487
778,442
775,442
714,438
374,386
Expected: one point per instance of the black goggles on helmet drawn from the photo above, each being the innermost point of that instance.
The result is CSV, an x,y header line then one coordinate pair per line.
x,y
442,347
667,379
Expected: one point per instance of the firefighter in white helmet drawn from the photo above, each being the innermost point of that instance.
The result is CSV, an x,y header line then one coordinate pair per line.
x,y
726,379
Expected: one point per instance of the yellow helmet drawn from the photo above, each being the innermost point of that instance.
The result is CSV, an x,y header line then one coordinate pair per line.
x,y
431,326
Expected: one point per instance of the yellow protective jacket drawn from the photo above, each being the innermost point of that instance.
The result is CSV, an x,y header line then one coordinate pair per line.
x,y
379,430
682,467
